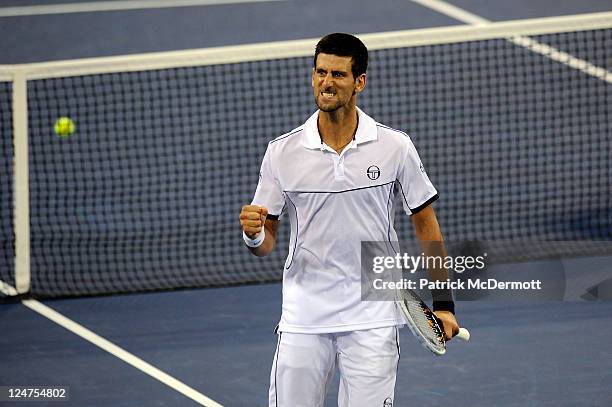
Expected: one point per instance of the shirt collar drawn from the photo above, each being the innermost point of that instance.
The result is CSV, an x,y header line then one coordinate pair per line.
x,y
366,130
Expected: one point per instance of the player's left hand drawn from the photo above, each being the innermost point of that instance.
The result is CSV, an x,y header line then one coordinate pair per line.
x,y
450,325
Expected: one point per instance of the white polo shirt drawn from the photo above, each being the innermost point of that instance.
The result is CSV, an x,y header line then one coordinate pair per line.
x,y
334,202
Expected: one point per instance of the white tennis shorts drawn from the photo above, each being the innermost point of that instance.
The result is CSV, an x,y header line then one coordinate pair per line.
x,y
304,364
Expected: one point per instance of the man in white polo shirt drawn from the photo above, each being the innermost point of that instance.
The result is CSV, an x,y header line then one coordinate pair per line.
x,y
336,178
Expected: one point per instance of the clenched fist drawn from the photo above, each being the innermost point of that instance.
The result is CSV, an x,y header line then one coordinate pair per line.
x,y
252,219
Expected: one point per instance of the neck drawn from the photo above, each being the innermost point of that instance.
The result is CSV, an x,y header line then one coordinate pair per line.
x,y
338,128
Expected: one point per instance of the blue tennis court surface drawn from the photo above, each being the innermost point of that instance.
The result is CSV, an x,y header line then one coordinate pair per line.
x,y
83,35
218,343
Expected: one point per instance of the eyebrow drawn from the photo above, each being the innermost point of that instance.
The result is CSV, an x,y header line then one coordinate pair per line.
x,y
333,71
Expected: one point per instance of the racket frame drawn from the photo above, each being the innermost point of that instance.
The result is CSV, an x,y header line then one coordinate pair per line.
x,y
437,350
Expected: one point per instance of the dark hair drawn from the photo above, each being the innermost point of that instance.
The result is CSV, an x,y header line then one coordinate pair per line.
x,y
344,45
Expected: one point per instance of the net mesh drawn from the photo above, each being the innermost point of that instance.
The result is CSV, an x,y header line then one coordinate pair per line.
x,y
517,144
146,194
7,236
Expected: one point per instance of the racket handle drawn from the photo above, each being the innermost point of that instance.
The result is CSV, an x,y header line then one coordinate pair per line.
x,y
463,334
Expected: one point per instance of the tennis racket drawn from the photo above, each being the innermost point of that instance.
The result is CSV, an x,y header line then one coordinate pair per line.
x,y
423,323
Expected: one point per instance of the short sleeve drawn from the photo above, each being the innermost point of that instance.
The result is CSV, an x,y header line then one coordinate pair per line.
x,y
269,192
415,187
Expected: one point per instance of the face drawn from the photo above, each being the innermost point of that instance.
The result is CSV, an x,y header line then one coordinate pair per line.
x,y
333,82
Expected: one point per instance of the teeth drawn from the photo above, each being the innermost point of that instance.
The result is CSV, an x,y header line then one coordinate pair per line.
x,y
328,94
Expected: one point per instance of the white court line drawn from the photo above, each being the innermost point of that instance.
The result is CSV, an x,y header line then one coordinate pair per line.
x,y
113,349
525,42
116,5
7,289
453,11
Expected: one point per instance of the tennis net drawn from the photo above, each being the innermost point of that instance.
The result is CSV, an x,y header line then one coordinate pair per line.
x,y
512,121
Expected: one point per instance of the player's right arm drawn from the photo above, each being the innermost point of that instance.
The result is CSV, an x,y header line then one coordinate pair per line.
x,y
252,219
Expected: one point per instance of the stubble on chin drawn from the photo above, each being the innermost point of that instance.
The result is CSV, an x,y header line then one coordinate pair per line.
x,y
328,108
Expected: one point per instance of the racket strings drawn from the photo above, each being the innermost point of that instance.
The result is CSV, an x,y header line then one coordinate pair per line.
x,y
424,320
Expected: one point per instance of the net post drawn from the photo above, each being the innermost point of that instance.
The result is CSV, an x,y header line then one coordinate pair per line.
x,y
21,184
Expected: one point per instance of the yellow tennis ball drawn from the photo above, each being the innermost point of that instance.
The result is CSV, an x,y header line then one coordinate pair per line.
x,y
64,126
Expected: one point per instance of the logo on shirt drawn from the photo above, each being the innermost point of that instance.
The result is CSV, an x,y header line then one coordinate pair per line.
x,y
373,172
388,402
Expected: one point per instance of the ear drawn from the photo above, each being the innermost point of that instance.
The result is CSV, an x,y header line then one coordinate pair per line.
x,y
360,83
312,78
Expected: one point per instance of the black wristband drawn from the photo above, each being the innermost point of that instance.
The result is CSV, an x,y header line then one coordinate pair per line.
x,y
441,294
444,306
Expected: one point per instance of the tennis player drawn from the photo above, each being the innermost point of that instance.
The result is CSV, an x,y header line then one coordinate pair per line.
x,y
335,177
